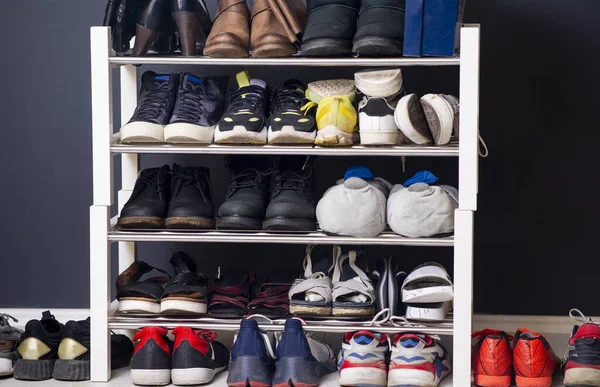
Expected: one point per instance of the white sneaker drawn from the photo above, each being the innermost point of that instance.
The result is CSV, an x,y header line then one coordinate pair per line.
x,y
376,122
379,83
441,112
411,121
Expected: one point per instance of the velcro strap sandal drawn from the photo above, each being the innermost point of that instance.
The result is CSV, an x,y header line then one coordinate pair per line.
x,y
311,295
186,291
140,296
353,293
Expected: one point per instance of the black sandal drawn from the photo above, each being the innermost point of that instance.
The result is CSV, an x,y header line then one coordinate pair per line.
x,y
139,296
186,291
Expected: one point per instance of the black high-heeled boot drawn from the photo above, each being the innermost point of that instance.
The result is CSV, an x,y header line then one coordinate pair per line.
x,y
152,19
193,23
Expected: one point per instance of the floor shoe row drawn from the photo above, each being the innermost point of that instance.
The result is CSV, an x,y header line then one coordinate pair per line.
x,y
184,108
278,193
340,286
276,28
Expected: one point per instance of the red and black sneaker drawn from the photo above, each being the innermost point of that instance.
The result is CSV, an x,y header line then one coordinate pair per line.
x,y
151,361
197,357
583,363
492,363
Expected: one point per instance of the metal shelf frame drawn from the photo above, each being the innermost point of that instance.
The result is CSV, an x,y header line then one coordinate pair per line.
x,y
102,233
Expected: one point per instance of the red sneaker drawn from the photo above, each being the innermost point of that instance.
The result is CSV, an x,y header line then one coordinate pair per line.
x,y
492,358
583,364
151,361
533,359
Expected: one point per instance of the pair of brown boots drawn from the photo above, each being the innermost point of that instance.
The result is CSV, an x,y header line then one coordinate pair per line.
x,y
276,25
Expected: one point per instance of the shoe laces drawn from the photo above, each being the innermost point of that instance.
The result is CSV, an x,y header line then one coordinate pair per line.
x,y
181,179
206,334
578,316
248,98
190,102
289,99
147,181
154,101
247,178
308,107
292,180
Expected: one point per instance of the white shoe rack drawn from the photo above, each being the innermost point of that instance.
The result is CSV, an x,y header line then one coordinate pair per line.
x,y
106,147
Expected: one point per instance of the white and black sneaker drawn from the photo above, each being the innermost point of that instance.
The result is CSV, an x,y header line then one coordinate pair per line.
x,y
200,105
441,112
245,120
153,112
288,123
376,122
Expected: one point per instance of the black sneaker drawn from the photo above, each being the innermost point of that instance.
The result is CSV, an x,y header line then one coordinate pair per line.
x,y
246,200
155,106
74,352
293,202
147,206
200,105
196,358
288,124
380,29
191,203
38,348
151,361
330,27
245,120
9,338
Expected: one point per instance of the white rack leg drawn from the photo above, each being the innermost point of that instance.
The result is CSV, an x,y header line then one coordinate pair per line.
x,y
129,162
99,293
468,163
463,297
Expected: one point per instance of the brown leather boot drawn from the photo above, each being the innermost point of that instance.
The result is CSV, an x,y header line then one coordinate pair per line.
x,y
230,34
292,14
269,37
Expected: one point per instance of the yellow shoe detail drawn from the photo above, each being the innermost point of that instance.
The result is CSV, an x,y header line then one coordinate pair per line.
x,y
339,112
32,349
70,349
243,78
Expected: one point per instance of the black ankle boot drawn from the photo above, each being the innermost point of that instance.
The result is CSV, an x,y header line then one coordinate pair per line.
x,y
153,19
193,23
292,205
191,203
380,30
247,197
330,27
147,206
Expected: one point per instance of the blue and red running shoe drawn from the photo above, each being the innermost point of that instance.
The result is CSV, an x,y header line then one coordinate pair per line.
x,y
583,363
363,359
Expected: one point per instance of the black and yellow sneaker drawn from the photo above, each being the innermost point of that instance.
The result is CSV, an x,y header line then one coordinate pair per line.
x,y
245,119
74,352
38,348
289,123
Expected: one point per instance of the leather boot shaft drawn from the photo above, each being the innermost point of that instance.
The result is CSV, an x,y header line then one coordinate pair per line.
x,y
269,37
230,34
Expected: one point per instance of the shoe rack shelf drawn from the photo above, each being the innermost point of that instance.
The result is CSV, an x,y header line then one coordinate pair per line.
x,y
104,64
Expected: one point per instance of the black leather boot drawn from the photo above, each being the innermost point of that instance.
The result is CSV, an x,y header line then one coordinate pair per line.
x,y
244,206
152,20
330,27
122,26
292,205
380,30
191,203
193,23
147,206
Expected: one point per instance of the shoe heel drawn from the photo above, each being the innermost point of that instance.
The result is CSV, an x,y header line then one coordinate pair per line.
x,y
545,381
295,371
187,25
143,39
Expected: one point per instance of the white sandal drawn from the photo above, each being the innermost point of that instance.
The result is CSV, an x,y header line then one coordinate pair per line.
x,y
311,295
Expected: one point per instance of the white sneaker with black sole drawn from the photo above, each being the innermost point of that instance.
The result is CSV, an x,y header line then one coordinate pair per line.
x,y
376,122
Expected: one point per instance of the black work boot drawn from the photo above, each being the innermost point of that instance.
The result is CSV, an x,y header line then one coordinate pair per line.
x,y
193,23
191,203
292,205
246,200
147,206
330,27
380,30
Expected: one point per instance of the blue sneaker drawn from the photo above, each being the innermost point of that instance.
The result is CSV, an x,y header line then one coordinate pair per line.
x,y
301,359
252,357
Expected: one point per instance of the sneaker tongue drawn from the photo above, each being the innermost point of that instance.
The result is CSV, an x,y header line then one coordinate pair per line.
x,y
258,82
190,80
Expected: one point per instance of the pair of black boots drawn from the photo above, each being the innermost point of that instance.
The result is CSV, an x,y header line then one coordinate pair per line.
x,y
264,193
158,25
365,27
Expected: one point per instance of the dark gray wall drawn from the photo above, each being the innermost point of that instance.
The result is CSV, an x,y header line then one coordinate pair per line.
x,y
535,228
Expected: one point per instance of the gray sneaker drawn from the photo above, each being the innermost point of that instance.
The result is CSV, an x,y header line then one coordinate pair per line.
x,y
9,338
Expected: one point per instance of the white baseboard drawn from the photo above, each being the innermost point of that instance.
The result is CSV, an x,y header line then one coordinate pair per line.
x,y
508,323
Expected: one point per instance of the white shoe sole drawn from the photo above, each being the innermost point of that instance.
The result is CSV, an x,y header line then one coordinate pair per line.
x,y
428,314
184,133
429,294
408,377
363,376
440,117
381,138
192,376
402,118
150,377
6,367
334,136
582,376
182,306
139,306
239,135
142,132
287,135
379,83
